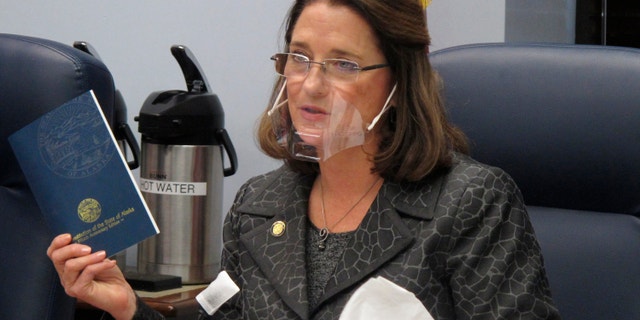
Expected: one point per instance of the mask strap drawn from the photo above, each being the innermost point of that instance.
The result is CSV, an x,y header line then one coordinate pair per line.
x,y
384,108
277,105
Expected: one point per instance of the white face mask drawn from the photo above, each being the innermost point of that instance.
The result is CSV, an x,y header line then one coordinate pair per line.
x,y
342,128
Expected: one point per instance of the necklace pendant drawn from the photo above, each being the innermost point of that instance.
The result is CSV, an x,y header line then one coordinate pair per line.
x,y
323,233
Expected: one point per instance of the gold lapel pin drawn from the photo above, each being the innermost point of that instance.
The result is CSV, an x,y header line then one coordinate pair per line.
x,y
277,228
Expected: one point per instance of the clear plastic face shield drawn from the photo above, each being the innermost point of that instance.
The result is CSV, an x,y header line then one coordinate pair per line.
x,y
320,132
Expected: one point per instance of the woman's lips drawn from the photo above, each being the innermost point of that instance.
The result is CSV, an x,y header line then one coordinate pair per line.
x,y
312,113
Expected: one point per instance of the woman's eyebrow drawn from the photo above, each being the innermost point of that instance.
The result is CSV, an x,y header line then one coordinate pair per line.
x,y
332,53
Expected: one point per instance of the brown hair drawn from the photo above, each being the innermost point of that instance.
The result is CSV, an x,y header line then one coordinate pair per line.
x,y
416,137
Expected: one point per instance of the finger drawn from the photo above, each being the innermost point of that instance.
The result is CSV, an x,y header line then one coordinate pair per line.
x,y
85,283
104,270
58,242
60,255
72,268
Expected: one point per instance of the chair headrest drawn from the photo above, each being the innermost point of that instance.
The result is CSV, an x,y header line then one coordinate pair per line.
x,y
38,75
563,120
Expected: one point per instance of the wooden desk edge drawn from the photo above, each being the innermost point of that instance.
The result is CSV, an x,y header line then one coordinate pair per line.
x,y
170,305
175,304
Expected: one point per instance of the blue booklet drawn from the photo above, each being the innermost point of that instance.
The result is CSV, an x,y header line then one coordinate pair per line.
x,y
80,179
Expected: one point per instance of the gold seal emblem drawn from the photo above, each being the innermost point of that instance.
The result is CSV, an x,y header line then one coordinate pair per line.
x,y
89,210
277,228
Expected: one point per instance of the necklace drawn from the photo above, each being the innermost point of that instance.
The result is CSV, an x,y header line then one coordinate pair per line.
x,y
324,232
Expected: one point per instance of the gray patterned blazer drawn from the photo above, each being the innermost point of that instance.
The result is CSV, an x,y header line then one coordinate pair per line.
x,y
461,241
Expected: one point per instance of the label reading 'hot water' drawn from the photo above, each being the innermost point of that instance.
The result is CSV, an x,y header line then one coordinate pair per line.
x,y
173,187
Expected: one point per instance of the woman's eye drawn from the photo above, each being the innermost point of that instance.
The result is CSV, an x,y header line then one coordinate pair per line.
x,y
344,65
300,58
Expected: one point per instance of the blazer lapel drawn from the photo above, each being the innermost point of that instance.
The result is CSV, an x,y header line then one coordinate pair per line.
x,y
278,246
381,236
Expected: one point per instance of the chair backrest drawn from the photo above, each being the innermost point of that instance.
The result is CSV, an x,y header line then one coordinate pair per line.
x,y
36,75
564,121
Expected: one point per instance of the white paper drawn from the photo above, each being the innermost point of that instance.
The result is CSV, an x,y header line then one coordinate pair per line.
x,y
379,298
217,293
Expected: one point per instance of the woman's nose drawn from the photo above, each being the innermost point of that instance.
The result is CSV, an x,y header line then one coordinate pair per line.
x,y
316,82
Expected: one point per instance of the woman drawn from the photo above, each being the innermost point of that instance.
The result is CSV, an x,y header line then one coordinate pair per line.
x,y
375,186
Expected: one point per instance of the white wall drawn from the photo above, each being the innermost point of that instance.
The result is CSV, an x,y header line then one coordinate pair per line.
x,y
540,21
457,22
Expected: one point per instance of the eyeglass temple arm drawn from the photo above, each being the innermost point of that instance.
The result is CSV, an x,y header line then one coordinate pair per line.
x,y
375,66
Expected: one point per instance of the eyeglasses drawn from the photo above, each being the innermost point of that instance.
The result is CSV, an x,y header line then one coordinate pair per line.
x,y
296,66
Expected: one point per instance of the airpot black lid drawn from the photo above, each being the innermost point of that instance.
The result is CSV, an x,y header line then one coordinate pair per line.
x,y
182,117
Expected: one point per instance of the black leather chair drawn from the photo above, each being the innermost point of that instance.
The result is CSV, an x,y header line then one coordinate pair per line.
x,y
564,121
36,75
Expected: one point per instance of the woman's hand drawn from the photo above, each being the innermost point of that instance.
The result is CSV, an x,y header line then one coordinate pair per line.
x,y
92,277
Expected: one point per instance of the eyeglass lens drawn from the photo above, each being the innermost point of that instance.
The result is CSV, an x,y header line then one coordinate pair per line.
x,y
296,66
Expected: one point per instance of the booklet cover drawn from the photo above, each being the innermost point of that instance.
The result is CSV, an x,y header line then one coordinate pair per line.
x,y
80,179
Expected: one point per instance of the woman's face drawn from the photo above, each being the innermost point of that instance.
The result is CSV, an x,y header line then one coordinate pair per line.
x,y
336,32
